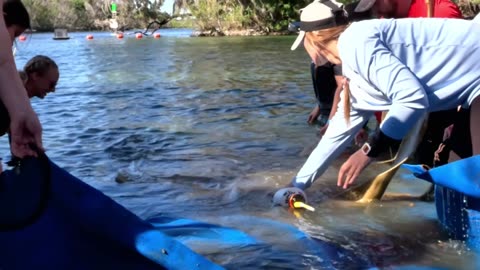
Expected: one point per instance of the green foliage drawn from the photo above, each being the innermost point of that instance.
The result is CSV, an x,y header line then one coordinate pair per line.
x,y
91,14
184,23
262,15
211,15
78,5
219,16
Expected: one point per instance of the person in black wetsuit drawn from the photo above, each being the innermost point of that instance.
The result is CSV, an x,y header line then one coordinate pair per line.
x,y
326,80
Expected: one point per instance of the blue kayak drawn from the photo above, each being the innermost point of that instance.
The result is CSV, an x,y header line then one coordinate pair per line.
x,y
51,220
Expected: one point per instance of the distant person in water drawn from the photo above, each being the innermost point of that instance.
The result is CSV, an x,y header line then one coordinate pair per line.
x,y
16,111
40,76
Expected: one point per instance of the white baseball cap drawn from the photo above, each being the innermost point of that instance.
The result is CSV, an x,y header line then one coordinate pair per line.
x,y
318,15
364,5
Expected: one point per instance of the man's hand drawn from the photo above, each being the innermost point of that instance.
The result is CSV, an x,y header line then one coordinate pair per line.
x,y
352,168
26,134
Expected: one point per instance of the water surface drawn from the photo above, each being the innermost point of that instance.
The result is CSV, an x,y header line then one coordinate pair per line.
x,y
207,128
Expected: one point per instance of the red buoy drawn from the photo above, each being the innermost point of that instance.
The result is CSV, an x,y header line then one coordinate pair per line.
x,y
89,37
156,35
138,35
120,35
22,38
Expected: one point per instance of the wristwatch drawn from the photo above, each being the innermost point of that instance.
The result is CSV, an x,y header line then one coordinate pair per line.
x,y
366,148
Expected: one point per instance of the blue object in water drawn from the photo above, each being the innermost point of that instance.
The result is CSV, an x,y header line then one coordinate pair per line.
x,y
462,175
51,220
457,197
187,230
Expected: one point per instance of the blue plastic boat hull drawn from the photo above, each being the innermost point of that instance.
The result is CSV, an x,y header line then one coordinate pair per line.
x,y
51,220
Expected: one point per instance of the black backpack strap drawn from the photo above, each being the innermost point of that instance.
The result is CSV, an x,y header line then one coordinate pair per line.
x,y
332,6
341,16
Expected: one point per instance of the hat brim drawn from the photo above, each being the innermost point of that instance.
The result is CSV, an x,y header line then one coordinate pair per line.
x,y
298,41
364,5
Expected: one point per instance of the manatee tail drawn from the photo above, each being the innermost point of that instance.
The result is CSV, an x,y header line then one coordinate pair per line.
x,y
376,187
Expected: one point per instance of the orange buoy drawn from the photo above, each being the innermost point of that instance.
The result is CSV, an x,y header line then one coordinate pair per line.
x,y
120,35
138,35
157,35
22,38
89,36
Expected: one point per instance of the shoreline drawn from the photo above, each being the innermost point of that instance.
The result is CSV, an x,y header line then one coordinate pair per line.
x,y
195,33
238,33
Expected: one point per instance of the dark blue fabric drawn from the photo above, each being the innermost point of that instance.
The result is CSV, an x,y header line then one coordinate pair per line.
x,y
78,227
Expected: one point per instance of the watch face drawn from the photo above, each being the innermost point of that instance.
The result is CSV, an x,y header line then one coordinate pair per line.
x,y
366,148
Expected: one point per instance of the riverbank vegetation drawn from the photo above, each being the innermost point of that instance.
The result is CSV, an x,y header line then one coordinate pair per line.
x,y
209,17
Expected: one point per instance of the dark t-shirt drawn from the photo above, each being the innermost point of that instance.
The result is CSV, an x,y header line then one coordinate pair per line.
x,y
324,83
